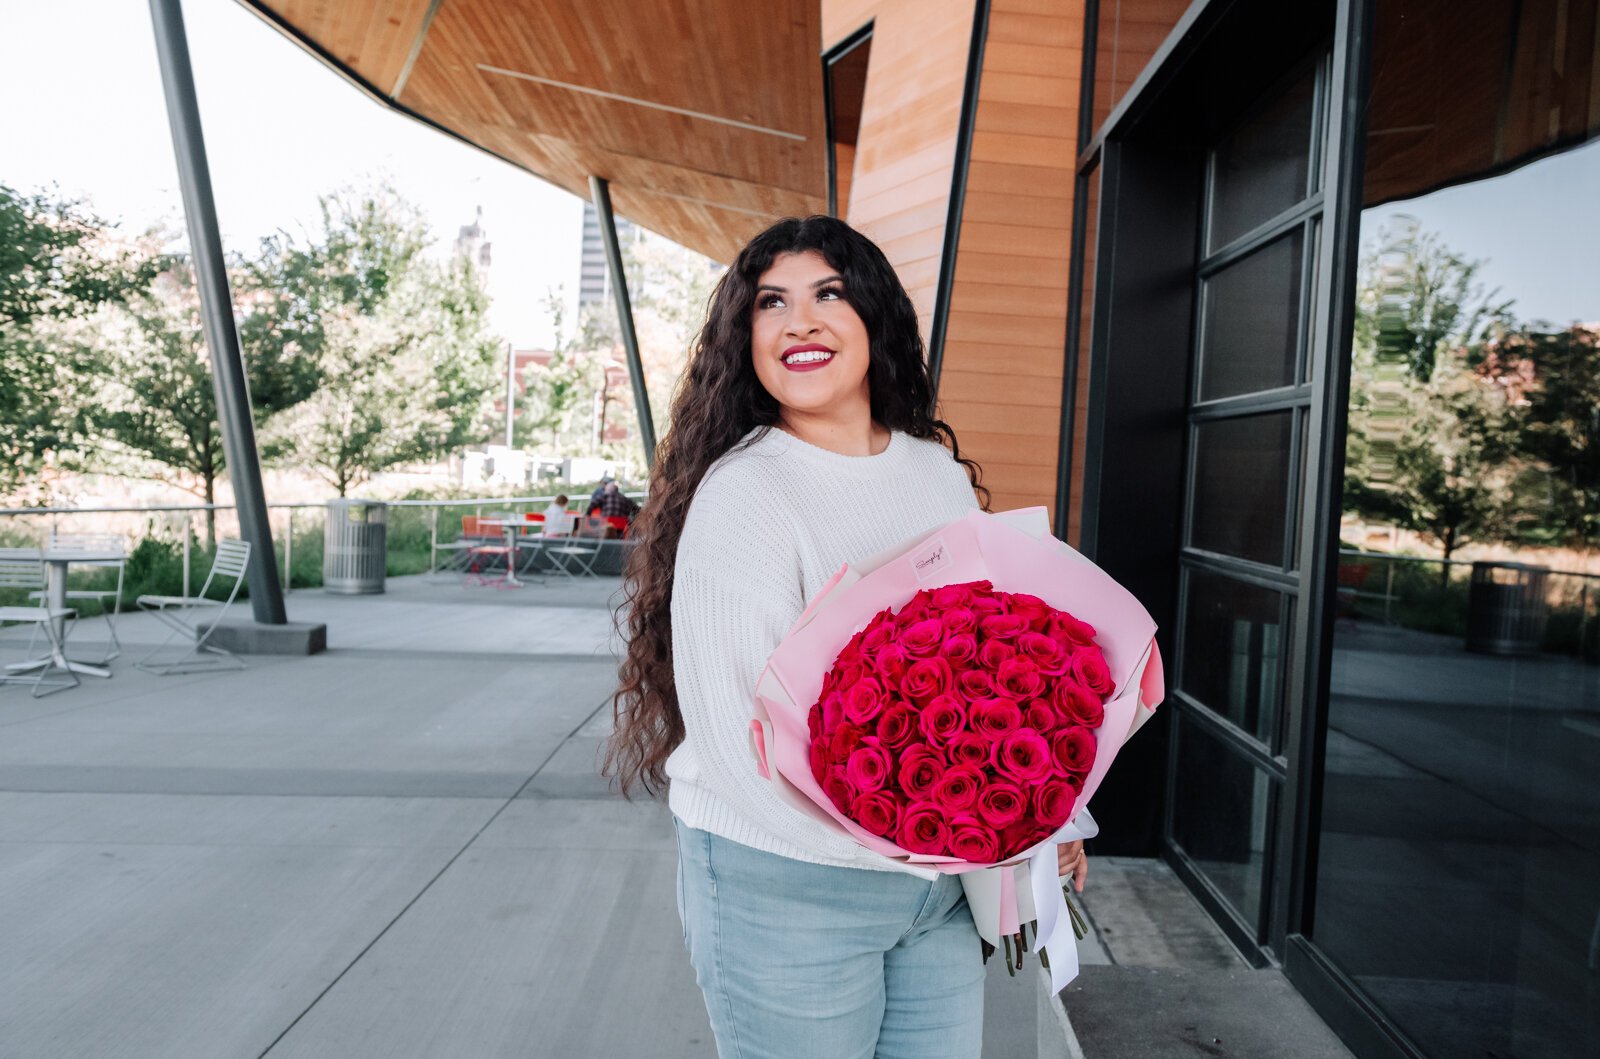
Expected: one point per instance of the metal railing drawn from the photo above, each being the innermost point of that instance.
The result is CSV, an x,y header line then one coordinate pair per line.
x,y
477,504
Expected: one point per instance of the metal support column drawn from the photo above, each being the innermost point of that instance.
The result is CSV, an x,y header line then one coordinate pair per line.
x,y
216,311
601,192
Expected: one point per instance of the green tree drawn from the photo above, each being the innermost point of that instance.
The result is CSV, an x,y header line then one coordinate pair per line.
x,y
404,362
58,264
1426,445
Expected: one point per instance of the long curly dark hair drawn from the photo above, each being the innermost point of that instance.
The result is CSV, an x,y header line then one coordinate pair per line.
x,y
718,401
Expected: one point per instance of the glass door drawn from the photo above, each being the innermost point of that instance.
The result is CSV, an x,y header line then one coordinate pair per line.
x,y
1239,583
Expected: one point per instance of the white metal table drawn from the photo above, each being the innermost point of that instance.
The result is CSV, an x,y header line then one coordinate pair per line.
x,y
56,562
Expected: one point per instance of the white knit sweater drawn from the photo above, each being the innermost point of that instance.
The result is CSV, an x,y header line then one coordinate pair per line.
x,y
769,525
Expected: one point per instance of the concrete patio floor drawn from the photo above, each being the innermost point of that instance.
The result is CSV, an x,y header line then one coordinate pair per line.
x,y
396,848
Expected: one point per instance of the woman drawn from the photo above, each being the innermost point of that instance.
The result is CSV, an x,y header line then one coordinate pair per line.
x,y
803,436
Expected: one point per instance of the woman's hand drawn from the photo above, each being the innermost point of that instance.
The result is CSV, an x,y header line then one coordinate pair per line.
x,y
1070,860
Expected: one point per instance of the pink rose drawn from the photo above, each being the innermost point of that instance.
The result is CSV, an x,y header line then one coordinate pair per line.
x,y
890,663
974,684
958,788
1068,630
972,840
863,701
1019,678
923,638
1039,715
993,718
1045,652
1035,611
896,725
1002,804
926,678
1024,756
844,740
1073,750
952,596
993,652
1003,626
1053,802
1089,666
877,811
968,748
867,768
920,769
959,648
959,620
1076,704
923,829
943,717
840,791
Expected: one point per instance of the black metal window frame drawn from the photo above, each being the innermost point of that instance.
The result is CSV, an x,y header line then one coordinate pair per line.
x,y
831,56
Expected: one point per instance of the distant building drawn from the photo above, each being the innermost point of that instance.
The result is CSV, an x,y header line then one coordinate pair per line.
x,y
472,242
594,282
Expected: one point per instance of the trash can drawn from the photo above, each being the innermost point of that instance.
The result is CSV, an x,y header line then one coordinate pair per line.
x,y
354,547
1506,608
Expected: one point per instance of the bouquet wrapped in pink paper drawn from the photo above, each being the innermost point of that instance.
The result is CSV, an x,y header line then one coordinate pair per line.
x,y
954,703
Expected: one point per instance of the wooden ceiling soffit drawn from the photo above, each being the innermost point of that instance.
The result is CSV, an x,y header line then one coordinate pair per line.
x,y
697,113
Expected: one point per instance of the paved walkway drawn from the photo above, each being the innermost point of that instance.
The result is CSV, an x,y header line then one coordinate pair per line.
x,y
397,848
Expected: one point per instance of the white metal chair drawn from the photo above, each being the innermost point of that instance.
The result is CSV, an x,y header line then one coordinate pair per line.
x,y
23,568
94,544
196,617
567,552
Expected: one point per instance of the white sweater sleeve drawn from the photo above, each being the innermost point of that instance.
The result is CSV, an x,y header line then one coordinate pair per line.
x,y
736,592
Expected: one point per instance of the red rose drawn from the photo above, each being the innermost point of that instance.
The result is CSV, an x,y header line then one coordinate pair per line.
x,y
1003,626
951,596
926,678
1019,678
1053,802
1073,750
923,829
840,791
1002,804
879,631
958,788
959,648
1023,755
1039,715
993,718
1022,835
890,663
943,717
814,722
992,653
1044,651
986,606
1068,630
958,620
867,767
896,725
1089,666
920,769
877,811
819,761
974,684
844,740
863,701
913,614
1035,611
923,638
972,841
968,748
1076,704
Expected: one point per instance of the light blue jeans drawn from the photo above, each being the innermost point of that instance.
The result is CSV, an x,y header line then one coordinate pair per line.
x,y
799,960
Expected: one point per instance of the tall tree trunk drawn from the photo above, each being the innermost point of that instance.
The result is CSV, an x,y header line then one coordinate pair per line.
x,y
211,513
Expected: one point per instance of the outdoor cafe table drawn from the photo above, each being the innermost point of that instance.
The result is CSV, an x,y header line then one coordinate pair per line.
x,y
56,562
511,526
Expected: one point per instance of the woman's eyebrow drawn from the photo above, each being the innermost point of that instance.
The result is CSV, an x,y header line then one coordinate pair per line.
x,y
819,283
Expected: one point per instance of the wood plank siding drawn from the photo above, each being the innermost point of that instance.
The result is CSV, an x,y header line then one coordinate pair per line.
x,y
1000,387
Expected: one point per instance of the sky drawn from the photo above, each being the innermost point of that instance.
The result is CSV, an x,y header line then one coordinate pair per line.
x,y
84,115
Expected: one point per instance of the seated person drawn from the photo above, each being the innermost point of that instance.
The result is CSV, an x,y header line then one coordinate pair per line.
x,y
615,504
557,508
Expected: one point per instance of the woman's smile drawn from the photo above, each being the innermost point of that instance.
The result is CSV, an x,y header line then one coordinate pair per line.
x,y
808,357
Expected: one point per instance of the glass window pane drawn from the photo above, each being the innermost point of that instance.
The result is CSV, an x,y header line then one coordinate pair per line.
x,y
1252,320
1241,486
1221,815
1233,640
1260,169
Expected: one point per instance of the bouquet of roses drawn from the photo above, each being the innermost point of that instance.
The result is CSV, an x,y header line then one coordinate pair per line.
x,y
952,725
